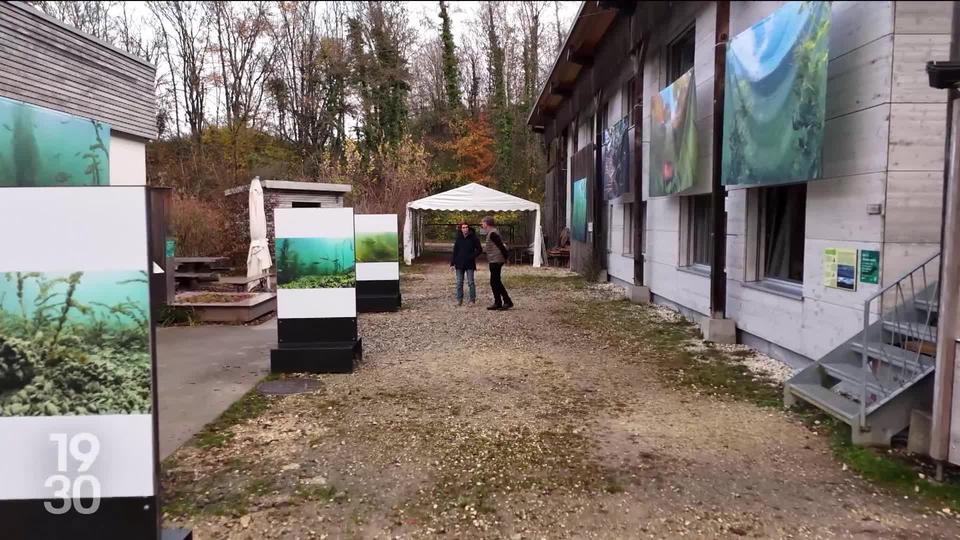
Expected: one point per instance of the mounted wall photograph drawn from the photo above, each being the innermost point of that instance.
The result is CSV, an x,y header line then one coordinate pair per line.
x,y
673,138
315,263
615,154
776,88
579,218
40,147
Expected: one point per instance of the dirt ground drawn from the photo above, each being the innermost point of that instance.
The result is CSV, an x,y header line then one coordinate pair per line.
x,y
467,423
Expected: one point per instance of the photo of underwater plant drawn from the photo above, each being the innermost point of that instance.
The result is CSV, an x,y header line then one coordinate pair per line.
x,y
74,343
579,211
40,147
377,247
775,97
315,263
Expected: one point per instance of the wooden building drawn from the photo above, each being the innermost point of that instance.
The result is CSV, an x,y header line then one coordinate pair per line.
x,y
706,252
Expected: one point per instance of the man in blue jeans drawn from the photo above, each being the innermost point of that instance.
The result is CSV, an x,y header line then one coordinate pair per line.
x,y
466,249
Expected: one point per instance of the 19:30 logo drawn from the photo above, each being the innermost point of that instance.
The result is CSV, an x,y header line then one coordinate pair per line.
x,y
81,493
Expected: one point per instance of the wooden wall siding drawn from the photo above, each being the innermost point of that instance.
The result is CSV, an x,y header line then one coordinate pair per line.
x,y
47,64
860,79
286,199
856,143
914,199
917,131
910,56
917,136
853,24
837,208
923,17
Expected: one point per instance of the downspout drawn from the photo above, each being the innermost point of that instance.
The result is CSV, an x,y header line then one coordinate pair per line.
x,y
949,310
718,195
638,277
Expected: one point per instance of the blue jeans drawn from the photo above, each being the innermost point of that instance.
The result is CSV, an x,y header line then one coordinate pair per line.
x,y
470,284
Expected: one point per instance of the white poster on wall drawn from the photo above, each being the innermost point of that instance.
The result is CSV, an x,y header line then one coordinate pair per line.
x,y
76,399
315,260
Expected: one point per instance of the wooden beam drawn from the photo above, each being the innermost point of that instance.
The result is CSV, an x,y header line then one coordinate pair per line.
x,y
563,91
580,58
718,195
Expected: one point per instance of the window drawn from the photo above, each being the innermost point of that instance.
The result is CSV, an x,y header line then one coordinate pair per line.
x,y
680,55
628,229
782,217
609,228
305,204
699,246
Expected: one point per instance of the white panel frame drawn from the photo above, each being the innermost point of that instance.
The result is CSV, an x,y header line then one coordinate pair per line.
x,y
378,271
316,303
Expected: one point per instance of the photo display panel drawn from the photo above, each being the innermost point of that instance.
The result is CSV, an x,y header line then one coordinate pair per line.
x,y
316,290
77,424
378,263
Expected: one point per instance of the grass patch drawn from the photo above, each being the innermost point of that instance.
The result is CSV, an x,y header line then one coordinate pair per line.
x,y
533,281
229,491
326,493
218,433
675,348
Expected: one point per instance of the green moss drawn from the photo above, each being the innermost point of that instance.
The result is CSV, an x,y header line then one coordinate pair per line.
x,y
531,281
218,432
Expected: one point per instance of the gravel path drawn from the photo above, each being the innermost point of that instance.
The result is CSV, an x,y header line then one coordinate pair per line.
x,y
470,424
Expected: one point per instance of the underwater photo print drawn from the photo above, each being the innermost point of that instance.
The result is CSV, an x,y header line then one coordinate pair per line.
x,y
579,210
40,147
615,154
673,138
377,238
775,97
74,343
315,263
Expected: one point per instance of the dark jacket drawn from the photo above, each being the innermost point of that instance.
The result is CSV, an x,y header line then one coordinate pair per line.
x,y
466,249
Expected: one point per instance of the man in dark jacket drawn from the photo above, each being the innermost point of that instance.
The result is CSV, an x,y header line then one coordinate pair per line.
x,y
466,249
496,255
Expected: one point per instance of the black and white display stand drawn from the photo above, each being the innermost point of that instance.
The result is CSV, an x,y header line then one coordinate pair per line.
x,y
378,263
78,425
316,291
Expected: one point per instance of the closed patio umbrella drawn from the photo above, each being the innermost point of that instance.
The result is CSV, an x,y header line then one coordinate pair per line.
x,y
258,258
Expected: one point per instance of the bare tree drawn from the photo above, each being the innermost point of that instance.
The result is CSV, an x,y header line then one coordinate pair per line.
x,y
243,56
181,26
92,17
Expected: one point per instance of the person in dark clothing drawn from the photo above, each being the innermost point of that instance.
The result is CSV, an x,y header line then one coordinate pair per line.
x,y
496,256
466,249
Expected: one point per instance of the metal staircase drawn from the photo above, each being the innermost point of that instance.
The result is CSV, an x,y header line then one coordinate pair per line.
x,y
875,379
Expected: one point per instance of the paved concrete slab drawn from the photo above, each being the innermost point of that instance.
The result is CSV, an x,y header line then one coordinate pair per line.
x,y
202,370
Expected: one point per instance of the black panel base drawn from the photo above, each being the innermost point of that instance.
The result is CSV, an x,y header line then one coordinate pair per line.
x,y
117,518
328,357
376,304
176,534
374,296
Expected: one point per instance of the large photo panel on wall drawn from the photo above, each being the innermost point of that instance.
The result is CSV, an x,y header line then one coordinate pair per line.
x,y
378,263
78,453
42,147
775,97
316,290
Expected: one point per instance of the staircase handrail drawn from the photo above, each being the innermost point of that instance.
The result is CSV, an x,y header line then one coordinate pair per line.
x,y
866,325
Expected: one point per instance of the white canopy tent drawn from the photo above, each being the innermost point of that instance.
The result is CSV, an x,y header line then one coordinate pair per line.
x,y
471,198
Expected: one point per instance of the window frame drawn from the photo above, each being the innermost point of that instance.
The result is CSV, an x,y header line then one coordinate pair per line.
x,y
628,229
674,56
689,229
758,244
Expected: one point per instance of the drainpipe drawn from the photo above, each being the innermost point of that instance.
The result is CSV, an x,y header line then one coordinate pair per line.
x,y
949,309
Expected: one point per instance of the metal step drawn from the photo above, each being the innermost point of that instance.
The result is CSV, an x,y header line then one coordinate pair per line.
x,y
837,406
931,306
894,355
853,374
918,331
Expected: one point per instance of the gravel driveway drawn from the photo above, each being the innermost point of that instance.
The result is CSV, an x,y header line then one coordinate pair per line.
x,y
466,423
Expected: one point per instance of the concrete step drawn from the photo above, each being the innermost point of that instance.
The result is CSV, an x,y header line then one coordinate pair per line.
x,y
837,406
918,331
894,356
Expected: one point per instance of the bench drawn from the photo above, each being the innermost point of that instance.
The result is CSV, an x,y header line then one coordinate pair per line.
x,y
242,283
